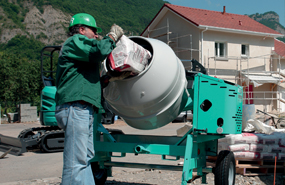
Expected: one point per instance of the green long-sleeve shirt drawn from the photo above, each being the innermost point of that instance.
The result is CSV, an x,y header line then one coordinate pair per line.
x,y
77,76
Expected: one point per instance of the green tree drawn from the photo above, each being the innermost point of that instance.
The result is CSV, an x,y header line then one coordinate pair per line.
x,y
20,79
23,47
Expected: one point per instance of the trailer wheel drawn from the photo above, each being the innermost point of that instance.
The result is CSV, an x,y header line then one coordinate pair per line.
x,y
225,170
100,175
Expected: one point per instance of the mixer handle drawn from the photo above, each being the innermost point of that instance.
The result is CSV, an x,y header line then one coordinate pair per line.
x,y
196,64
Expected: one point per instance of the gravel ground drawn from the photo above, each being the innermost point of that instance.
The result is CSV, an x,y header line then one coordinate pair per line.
x,y
122,176
151,177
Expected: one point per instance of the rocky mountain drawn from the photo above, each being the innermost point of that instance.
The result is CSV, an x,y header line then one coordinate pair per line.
x,y
48,21
272,16
48,26
270,19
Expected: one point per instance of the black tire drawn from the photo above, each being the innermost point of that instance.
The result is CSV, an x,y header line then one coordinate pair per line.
x,y
100,175
225,170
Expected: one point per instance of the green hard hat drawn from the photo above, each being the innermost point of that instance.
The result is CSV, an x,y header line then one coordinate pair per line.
x,y
84,19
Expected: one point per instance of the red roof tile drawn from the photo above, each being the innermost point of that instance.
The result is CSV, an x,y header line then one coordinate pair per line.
x,y
279,47
201,17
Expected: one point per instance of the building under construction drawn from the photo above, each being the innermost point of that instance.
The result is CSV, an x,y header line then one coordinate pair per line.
x,y
232,47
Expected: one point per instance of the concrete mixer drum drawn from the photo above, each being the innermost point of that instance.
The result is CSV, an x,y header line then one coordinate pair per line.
x,y
154,97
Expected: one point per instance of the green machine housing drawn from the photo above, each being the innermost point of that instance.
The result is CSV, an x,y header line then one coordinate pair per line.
x,y
217,111
216,104
48,106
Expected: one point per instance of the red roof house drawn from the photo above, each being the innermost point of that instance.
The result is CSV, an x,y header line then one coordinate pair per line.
x,y
230,46
218,20
279,47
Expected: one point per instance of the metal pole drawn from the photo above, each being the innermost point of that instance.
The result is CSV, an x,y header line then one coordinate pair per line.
x,y
278,88
191,46
265,65
167,33
208,62
215,67
236,71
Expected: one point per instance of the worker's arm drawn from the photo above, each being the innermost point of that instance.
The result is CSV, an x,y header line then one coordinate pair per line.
x,y
84,49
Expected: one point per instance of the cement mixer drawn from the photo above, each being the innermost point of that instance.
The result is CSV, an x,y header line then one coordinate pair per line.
x,y
153,99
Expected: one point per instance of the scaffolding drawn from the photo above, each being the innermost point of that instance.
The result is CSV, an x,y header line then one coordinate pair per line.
x,y
173,40
241,75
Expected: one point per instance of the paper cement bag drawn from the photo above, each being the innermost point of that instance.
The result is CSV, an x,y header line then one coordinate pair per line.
x,y
233,148
128,56
247,155
258,148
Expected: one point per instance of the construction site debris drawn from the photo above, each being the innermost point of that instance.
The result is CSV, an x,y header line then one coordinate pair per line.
x,y
183,130
258,126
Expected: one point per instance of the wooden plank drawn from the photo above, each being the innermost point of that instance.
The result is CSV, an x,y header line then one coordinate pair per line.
x,y
3,155
255,166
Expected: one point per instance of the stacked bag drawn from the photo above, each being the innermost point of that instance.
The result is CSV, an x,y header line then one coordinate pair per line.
x,y
255,145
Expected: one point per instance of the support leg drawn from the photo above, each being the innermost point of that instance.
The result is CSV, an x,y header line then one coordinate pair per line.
x,y
189,162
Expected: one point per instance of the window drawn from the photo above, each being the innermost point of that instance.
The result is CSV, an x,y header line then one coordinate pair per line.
x,y
244,50
220,49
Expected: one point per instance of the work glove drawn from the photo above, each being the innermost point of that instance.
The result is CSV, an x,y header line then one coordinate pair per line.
x,y
116,32
121,77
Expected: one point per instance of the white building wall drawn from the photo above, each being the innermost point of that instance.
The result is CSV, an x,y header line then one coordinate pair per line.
x,y
260,49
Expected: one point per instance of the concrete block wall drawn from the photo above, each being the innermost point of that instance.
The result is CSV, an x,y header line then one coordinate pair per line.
x,y
28,113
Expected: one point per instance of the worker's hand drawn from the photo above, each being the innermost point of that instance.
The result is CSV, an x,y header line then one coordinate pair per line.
x,y
121,77
116,32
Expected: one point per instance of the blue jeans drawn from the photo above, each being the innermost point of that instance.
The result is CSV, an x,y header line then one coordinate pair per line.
x,y
77,122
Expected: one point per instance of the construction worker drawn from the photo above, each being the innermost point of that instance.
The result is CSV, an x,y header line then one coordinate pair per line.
x,y
78,95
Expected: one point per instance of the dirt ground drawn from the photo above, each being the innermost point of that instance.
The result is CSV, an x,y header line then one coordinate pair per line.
x,y
21,172
156,177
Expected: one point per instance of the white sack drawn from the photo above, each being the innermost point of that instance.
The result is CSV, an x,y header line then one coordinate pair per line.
x,y
247,155
270,139
261,127
281,156
280,136
256,125
244,138
258,148
267,155
276,149
128,56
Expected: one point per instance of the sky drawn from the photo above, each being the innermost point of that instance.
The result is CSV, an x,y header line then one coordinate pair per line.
x,y
241,7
